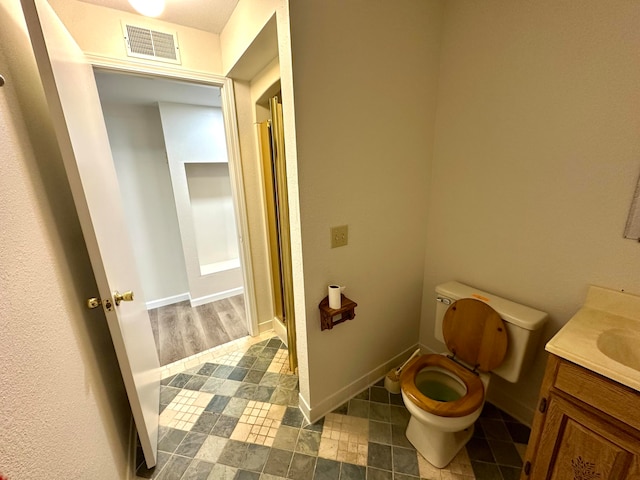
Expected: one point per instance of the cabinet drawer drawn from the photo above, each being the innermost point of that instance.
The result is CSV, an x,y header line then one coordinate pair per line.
x,y
611,398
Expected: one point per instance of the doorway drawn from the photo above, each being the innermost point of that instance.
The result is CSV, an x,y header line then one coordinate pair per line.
x,y
169,147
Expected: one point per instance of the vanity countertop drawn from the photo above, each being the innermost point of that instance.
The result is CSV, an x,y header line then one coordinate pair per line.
x,y
604,336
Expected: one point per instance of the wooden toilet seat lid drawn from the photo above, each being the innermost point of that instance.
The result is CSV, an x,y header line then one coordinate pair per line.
x,y
475,334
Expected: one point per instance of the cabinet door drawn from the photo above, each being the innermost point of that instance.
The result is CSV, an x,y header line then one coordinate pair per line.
x,y
579,445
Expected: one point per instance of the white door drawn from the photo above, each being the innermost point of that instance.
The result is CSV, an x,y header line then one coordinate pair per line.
x,y
75,107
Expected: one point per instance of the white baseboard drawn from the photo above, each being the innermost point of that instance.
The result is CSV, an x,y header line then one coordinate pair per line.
x,y
305,409
281,330
265,326
196,302
163,302
347,393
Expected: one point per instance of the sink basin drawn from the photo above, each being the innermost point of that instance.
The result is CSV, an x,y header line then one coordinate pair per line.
x,y
604,336
621,345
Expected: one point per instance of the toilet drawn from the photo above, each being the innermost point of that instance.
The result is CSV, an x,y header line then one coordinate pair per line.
x,y
485,335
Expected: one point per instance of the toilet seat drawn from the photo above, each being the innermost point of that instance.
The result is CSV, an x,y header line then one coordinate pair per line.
x,y
465,405
476,335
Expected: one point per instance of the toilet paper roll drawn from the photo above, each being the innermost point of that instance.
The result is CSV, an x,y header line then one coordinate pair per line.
x,y
335,293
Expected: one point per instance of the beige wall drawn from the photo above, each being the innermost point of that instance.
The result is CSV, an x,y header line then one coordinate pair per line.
x,y
246,22
98,31
536,158
365,84
63,409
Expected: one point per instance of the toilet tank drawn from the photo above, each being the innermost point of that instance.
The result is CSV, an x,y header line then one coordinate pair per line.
x,y
524,325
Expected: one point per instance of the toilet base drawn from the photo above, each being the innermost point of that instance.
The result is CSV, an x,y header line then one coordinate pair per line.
x,y
438,447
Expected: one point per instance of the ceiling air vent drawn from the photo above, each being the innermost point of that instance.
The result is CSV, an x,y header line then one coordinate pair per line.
x,y
151,44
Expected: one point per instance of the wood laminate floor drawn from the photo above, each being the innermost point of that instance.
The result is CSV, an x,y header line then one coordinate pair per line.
x,y
181,330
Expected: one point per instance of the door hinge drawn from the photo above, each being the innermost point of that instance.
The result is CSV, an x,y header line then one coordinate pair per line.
x,y
543,405
527,468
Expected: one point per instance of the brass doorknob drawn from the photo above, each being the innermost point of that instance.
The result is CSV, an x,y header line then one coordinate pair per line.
x,y
122,297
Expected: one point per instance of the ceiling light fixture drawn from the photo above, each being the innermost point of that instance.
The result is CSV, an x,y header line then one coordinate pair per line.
x,y
148,8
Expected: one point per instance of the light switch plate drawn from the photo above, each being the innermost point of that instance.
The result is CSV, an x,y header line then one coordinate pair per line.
x,y
339,236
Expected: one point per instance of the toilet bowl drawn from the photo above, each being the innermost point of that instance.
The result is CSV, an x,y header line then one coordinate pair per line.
x,y
445,393
440,386
444,400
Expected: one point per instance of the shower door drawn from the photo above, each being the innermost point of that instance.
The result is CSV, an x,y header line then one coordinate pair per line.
x,y
277,202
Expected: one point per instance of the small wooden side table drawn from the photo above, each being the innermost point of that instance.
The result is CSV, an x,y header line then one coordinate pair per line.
x,y
327,315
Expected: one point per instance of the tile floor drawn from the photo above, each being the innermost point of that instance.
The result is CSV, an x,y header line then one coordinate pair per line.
x,y
235,415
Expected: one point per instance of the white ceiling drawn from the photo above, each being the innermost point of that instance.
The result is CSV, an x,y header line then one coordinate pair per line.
x,y
141,90
208,15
